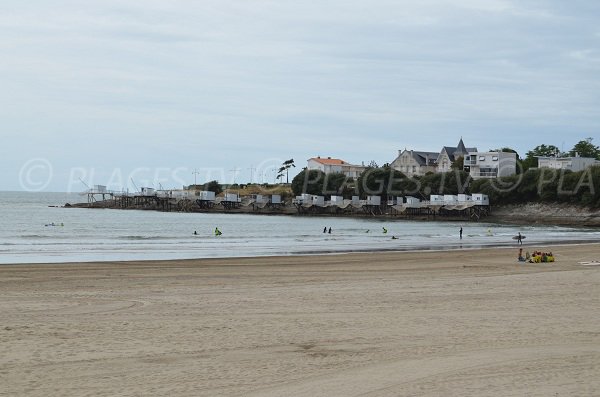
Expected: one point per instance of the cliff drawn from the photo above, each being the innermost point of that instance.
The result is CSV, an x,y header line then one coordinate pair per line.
x,y
551,214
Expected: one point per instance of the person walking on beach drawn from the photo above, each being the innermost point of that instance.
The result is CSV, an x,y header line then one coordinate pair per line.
x,y
519,238
460,232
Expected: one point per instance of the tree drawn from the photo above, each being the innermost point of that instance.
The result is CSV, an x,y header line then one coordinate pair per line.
x,y
285,168
213,186
318,183
384,181
308,181
542,150
458,164
585,148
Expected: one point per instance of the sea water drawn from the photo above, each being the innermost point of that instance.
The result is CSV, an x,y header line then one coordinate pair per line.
x,y
82,234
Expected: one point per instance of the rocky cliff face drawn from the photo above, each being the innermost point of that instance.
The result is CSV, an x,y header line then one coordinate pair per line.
x,y
556,214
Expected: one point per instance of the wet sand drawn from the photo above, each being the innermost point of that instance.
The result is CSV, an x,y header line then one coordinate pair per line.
x,y
459,323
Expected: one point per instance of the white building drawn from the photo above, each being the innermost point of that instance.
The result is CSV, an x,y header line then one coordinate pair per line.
x,y
490,164
330,165
567,163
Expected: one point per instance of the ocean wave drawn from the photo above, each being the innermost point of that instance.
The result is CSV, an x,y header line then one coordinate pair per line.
x,y
38,236
147,238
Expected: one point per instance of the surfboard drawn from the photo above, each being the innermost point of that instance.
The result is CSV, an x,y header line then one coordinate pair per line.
x,y
517,237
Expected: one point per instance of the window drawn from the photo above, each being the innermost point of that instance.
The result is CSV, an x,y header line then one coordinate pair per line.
x,y
494,158
481,158
414,169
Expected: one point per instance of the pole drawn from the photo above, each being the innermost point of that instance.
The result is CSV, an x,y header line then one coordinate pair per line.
x,y
195,173
234,170
252,169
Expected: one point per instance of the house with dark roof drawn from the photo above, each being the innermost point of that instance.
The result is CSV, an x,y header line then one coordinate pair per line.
x,y
448,155
412,162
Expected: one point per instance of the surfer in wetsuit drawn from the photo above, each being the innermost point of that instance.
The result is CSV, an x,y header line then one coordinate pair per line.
x,y
217,231
519,238
384,230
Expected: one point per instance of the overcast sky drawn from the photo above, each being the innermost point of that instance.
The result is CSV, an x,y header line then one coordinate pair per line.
x,y
114,90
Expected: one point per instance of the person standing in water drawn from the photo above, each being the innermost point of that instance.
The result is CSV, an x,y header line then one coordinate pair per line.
x,y
519,238
330,230
325,229
460,232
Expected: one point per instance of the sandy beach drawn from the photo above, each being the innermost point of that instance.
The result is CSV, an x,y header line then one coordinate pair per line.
x,y
460,323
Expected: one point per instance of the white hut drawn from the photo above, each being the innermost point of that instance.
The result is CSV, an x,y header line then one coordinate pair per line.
x,y
318,201
480,199
413,202
450,199
337,200
148,191
207,195
232,197
259,198
464,198
374,200
436,199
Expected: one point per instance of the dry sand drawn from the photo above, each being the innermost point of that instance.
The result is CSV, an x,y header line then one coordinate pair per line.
x,y
462,323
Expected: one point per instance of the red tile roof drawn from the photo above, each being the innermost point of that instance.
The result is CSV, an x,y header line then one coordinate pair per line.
x,y
329,161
